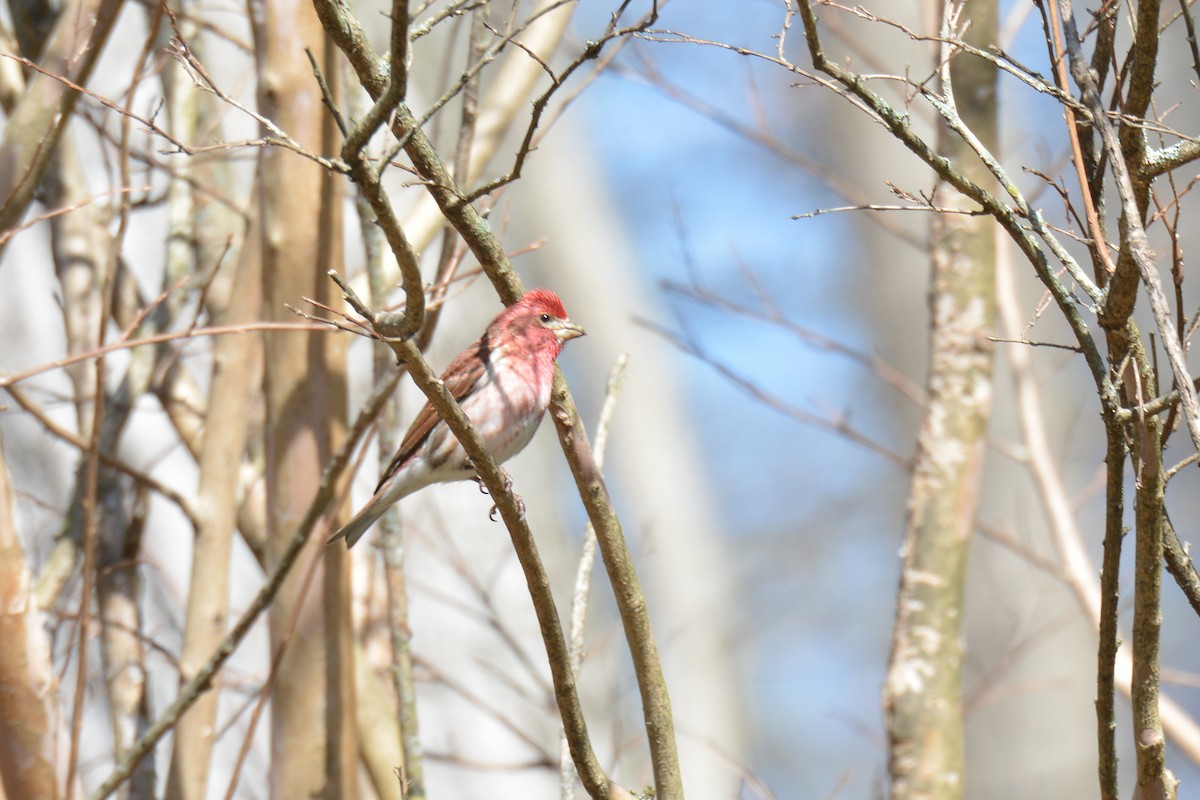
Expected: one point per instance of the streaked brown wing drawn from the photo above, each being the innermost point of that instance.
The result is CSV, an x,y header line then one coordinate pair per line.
x,y
462,379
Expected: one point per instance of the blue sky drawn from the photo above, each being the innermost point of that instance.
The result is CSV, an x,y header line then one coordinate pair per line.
x,y
813,679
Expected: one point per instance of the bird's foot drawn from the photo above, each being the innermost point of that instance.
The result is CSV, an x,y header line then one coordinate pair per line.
x,y
520,508
508,489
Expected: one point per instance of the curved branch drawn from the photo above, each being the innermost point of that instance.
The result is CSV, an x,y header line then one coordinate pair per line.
x,y
1180,564
1133,233
485,246
1160,162
33,129
565,687
203,679
897,124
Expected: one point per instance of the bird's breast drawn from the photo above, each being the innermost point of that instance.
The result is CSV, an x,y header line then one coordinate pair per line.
x,y
509,404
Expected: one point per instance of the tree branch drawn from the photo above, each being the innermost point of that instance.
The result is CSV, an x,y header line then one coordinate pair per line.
x,y
203,679
347,35
565,689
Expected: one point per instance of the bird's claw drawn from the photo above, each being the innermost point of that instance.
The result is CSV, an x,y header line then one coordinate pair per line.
x,y
520,508
508,484
476,477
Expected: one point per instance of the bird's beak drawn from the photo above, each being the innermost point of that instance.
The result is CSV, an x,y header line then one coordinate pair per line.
x,y
568,330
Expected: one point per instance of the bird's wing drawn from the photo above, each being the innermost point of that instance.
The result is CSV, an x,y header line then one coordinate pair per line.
x,y
462,379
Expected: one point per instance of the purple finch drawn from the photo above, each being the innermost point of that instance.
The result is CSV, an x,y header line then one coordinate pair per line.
x,y
502,383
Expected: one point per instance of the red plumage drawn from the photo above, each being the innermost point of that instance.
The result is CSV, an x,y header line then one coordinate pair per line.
x,y
502,381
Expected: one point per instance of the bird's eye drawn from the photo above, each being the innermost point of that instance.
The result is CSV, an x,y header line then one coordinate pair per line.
x,y
545,318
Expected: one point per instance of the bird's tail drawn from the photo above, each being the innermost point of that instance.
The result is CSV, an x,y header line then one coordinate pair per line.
x,y
353,530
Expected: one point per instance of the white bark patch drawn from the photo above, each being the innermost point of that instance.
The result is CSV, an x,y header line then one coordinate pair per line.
x,y
918,577
960,383
908,675
18,601
927,639
914,663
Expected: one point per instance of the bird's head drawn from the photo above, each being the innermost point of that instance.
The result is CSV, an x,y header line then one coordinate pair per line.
x,y
537,322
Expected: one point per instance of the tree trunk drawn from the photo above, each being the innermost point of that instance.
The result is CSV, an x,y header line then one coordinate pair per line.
x,y
313,750
30,740
923,693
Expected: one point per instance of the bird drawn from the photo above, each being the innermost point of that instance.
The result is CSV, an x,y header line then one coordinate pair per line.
x,y
502,381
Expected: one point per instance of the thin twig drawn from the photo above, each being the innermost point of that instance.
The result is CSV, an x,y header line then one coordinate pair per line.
x,y
1180,565
216,330
108,460
203,679
1133,233
587,560
348,36
500,490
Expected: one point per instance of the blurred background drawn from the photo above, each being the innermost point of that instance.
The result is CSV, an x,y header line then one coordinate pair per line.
x,y
760,444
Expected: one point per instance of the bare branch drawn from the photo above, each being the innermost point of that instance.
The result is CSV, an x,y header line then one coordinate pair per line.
x,y
203,679
583,572
499,488
347,34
